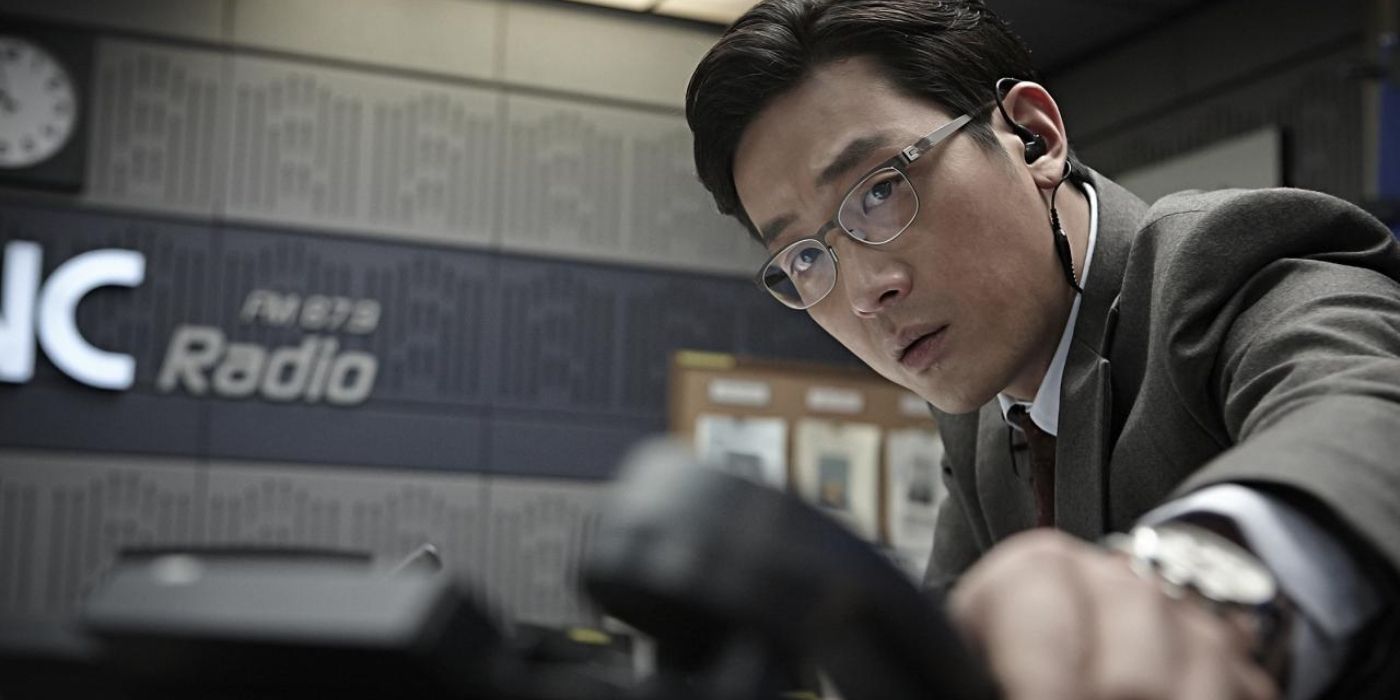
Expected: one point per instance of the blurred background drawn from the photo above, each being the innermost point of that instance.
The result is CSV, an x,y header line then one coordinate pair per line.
x,y
417,270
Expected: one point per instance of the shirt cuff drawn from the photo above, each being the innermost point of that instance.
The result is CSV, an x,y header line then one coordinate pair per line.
x,y
1333,599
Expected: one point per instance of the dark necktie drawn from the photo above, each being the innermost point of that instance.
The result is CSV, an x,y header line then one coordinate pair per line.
x,y
1041,446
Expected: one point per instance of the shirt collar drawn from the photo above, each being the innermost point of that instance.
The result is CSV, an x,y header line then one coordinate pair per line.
x,y
1045,407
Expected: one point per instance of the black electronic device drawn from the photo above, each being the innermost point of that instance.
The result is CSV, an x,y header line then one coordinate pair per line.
x,y
50,658
1035,143
739,583
243,624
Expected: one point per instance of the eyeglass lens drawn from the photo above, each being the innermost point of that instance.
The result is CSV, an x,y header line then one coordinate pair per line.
x,y
876,210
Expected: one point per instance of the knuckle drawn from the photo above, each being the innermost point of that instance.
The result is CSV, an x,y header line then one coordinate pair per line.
x,y
1122,686
1039,548
1207,629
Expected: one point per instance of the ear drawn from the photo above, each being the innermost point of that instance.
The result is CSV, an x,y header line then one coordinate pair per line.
x,y
1031,106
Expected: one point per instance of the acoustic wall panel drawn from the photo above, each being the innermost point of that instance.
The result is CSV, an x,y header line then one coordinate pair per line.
x,y
388,514
556,331
1316,112
537,532
420,311
158,128
352,151
611,184
673,218
64,415
137,321
543,445
455,37
449,439
597,340
582,50
670,313
64,517
769,329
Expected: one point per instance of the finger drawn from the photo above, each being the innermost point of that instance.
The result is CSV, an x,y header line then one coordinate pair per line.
x,y
1137,649
1027,611
1215,665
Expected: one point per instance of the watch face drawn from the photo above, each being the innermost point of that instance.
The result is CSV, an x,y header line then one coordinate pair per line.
x,y
1220,569
38,103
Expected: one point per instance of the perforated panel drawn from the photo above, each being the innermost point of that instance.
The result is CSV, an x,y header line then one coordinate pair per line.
x,y
351,151
667,314
556,327
62,519
1317,113
158,128
433,302
591,339
566,447
177,286
611,184
538,529
769,329
386,514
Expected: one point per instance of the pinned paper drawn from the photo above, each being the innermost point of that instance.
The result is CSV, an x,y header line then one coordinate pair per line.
x,y
914,492
754,448
739,392
837,469
825,399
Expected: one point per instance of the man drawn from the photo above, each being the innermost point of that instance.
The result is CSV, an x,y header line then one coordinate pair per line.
x,y
1216,370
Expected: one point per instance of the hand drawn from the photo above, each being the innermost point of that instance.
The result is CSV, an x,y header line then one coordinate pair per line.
x,y
1059,619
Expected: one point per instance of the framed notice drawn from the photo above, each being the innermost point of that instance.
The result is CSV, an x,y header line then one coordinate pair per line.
x,y
913,492
754,448
836,467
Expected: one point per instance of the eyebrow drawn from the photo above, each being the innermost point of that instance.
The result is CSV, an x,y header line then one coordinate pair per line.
x,y
852,155
855,152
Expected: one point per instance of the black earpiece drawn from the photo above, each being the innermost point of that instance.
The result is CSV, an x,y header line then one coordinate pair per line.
x,y
1035,150
1062,248
1035,143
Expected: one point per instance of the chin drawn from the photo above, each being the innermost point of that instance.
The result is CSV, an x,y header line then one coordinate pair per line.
x,y
954,405
954,399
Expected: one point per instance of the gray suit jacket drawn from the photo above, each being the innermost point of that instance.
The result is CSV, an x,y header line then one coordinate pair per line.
x,y
1238,336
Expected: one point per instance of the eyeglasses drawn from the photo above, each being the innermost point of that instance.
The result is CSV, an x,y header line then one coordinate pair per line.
x,y
874,212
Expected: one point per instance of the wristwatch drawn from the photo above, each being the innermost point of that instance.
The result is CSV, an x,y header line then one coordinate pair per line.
x,y
1190,561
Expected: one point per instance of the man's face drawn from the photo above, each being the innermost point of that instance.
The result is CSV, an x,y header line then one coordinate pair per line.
x,y
969,299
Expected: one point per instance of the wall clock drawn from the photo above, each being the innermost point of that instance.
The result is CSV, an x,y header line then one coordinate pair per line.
x,y
43,106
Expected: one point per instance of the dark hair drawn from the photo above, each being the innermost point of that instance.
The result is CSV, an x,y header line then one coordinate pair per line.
x,y
951,53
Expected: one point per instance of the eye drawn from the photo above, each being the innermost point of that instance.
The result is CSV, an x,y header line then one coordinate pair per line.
x,y
803,260
877,194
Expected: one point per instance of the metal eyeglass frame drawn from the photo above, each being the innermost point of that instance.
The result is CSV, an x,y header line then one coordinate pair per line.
x,y
900,163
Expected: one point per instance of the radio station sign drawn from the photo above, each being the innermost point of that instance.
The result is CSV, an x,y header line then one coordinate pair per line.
x,y
49,311
200,359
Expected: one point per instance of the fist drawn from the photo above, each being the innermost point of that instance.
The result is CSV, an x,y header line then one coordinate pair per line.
x,y
1059,619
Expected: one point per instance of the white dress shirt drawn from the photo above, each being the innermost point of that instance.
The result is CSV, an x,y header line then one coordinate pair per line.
x,y
1333,599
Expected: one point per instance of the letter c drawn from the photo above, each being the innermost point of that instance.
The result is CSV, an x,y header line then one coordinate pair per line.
x,y
58,323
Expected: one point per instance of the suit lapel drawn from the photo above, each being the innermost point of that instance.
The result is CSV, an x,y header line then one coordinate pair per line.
x,y
1086,394
1006,502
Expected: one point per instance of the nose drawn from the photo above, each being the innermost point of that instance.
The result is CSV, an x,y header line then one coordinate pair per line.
x,y
874,279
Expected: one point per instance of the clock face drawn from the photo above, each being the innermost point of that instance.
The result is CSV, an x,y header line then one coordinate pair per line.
x,y
38,104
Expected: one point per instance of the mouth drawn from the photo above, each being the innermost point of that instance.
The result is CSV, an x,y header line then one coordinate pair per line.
x,y
923,350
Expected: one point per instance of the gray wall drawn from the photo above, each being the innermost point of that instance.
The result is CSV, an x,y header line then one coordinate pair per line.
x,y
1231,68
510,181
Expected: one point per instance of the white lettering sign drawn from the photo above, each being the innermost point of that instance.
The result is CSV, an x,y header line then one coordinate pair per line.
x,y
57,305
201,361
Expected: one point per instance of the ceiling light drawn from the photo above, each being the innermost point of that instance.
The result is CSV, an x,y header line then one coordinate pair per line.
x,y
717,11
634,5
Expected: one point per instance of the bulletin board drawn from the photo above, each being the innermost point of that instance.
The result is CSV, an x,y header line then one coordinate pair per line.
x,y
854,444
